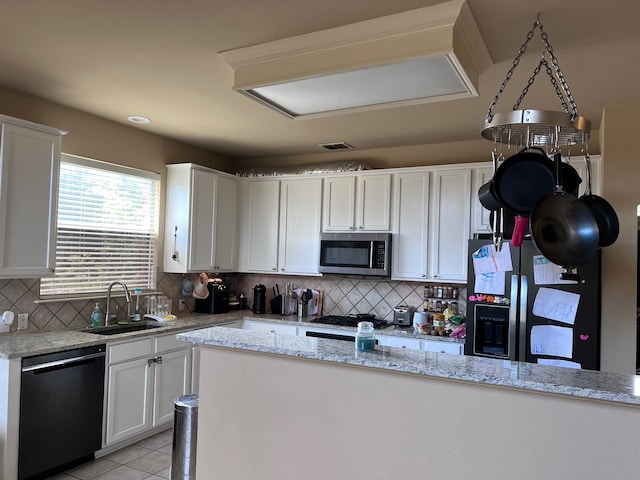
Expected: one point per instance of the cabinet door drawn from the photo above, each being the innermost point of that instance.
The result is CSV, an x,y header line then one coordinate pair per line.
x,y
411,208
339,204
29,171
226,229
480,222
203,196
449,225
260,227
172,378
373,205
300,209
128,399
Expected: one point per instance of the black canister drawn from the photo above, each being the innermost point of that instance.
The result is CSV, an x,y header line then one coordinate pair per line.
x,y
259,298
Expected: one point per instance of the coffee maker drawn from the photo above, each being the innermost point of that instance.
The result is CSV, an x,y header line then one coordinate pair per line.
x,y
218,299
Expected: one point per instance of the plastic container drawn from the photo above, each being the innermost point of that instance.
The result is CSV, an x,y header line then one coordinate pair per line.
x,y
96,316
152,305
365,339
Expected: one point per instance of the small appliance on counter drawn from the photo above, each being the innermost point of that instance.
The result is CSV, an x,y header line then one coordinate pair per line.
x,y
218,299
402,315
259,299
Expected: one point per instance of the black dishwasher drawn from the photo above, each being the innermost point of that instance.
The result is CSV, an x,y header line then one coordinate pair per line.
x,y
61,399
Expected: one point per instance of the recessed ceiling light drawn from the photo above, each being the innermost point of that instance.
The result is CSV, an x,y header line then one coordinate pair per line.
x,y
425,55
138,119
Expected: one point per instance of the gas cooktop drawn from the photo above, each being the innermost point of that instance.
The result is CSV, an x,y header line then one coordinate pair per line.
x,y
351,320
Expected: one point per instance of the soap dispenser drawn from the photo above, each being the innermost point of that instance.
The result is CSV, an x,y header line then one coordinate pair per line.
x,y
96,316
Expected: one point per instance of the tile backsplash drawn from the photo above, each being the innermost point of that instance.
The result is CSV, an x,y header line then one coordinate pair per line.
x,y
342,296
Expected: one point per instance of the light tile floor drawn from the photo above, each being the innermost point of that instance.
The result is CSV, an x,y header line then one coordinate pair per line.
x,y
148,459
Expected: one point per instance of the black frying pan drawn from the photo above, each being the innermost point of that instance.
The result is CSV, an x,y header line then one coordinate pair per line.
x,y
520,182
605,215
563,228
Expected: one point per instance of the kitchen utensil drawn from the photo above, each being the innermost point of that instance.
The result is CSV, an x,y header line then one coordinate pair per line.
x,y
520,183
563,227
605,215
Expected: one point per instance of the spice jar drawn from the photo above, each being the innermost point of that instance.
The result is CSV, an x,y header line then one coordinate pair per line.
x,y
365,340
438,323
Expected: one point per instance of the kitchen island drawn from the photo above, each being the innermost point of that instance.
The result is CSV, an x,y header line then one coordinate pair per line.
x,y
278,406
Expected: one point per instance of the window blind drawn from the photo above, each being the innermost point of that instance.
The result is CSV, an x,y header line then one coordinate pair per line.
x,y
107,228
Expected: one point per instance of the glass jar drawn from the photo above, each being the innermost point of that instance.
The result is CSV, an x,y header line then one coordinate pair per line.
x,y
438,323
365,339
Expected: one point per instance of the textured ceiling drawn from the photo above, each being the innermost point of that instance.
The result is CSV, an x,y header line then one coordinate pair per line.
x,y
159,58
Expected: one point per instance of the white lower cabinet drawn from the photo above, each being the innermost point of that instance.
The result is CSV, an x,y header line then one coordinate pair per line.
x,y
144,377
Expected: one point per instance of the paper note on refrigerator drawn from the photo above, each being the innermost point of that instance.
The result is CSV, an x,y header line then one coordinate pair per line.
x,y
552,340
487,260
491,283
546,272
556,305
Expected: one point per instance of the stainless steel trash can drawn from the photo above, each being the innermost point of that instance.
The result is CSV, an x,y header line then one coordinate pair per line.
x,y
185,435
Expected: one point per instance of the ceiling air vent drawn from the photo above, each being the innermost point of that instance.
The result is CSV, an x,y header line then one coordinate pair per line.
x,y
336,146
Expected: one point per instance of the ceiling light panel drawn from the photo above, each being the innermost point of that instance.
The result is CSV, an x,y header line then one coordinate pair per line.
x,y
425,55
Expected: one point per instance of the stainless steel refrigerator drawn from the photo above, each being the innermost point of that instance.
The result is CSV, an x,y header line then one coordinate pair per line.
x,y
522,310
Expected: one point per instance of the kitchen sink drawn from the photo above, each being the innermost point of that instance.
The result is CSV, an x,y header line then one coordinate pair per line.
x,y
129,327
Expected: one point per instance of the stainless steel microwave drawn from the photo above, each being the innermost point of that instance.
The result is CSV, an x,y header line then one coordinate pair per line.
x,y
355,253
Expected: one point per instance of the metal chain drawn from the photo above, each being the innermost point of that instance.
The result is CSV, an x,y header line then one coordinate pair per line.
x,y
549,49
554,83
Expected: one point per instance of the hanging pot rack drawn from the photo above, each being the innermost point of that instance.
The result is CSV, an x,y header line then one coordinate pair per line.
x,y
528,127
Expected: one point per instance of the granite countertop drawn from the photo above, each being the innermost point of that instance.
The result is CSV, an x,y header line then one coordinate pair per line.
x,y
28,344
600,386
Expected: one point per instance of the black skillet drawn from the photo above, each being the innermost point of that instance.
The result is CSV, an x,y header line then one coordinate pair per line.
x,y
563,228
523,180
520,183
605,215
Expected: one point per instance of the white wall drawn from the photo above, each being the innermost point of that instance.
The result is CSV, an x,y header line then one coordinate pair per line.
x,y
271,417
621,176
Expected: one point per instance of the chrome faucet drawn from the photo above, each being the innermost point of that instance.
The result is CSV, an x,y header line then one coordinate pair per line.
x,y
127,296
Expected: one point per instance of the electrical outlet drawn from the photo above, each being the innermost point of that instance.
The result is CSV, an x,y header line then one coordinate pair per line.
x,y
23,321
181,304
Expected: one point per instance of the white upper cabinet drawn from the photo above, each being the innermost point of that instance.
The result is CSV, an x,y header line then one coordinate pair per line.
x,y
29,173
357,203
411,207
280,226
300,208
480,216
260,212
449,224
200,220
431,221
226,231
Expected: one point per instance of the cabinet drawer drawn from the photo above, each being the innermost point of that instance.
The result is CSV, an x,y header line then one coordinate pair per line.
x,y
169,342
399,342
130,350
442,347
